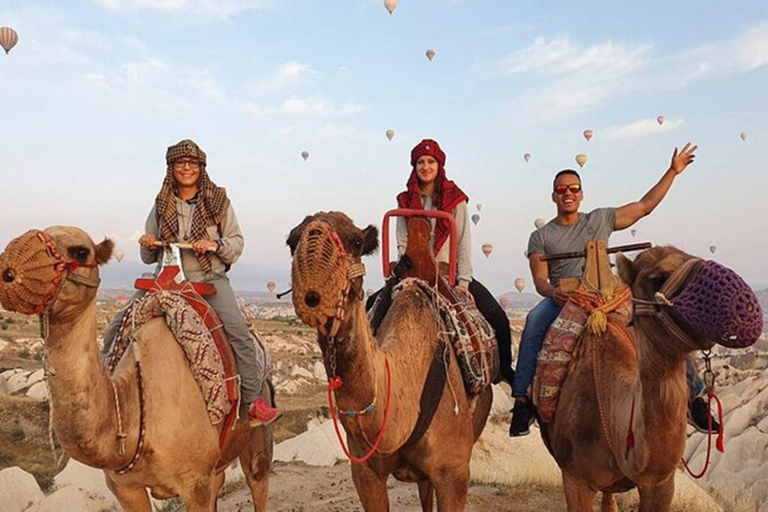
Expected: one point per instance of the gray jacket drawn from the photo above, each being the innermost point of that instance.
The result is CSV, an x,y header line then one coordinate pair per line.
x,y
231,243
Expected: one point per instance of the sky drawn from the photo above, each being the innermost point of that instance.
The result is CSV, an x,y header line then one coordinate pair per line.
x,y
96,90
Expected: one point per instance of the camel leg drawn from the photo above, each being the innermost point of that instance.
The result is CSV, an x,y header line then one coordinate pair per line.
x,y
256,468
657,498
199,497
608,504
426,495
452,490
371,488
218,483
578,496
132,499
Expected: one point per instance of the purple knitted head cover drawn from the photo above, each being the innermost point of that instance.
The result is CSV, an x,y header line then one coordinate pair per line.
x,y
721,306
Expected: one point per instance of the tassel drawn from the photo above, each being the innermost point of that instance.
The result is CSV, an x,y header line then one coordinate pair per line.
x,y
720,445
597,323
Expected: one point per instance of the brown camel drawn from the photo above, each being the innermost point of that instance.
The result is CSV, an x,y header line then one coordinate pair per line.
x,y
181,453
328,293
616,382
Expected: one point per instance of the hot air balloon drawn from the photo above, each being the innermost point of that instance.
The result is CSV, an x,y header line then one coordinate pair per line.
x,y
487,249
431,54
370,291
527,157
712,248
588,134
391,5
479,206
271,286
119,255
525,254
633,232
581,159
504,301
475,219
8,38
539,223
305,155
520,284
390,134
743,136
661,120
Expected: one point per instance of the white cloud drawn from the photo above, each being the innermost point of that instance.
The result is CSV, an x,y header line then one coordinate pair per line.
x,y
318,106
196,8
579,78
290,74
641,128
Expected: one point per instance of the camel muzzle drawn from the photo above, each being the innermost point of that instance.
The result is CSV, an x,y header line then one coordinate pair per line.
x,y
319,275
720,306
31,269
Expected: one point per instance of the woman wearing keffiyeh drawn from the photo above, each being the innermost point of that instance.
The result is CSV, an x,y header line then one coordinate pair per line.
x,y
190,208
429,189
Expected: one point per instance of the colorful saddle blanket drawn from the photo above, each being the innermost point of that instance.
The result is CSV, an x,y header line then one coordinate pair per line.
x,y
478,355
190,331
564,337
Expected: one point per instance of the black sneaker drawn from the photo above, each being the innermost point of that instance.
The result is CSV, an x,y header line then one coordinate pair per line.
x,y
698,416
522,418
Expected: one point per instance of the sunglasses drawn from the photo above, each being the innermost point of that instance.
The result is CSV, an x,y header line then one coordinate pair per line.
x,y
574,188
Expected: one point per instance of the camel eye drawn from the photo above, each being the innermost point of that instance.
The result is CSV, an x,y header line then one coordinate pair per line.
x,y
357,244
79,253
657,281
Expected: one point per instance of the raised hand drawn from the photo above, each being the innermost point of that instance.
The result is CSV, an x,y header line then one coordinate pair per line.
x,y
681,160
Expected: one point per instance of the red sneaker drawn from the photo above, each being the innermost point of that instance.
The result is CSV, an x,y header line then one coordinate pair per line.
x,y
261,413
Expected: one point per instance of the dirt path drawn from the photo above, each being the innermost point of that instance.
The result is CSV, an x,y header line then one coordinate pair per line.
x,y
300,488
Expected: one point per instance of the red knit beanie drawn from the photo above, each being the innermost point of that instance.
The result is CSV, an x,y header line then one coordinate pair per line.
x,y
428,147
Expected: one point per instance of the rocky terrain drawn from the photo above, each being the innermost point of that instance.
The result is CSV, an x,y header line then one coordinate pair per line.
x,y
311,472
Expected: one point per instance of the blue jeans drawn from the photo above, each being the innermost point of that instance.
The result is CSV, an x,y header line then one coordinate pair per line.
x,y
536,326
695,384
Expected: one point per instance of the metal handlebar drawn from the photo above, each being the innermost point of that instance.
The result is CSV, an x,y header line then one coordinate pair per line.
x,y
160,243
610,250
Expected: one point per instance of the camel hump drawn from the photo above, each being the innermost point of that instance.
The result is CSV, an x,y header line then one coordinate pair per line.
x,y
200,335
465,330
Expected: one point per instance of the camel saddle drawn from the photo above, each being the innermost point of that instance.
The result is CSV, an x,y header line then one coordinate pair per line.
x,y
475,344
199,331
598,300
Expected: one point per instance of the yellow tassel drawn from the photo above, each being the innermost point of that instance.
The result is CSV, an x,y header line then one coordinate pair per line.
x,y
597,323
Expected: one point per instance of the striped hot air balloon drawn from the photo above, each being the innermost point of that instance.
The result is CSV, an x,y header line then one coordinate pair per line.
x,y
8,38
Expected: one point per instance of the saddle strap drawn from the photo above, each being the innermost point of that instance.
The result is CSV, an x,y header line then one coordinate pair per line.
x,y
431,394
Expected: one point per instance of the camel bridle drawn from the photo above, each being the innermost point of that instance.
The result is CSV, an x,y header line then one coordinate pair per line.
x,y
33,272
662,302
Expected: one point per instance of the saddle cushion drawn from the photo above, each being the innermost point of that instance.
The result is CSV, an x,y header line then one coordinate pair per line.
x,y
478,358
190,331
564,337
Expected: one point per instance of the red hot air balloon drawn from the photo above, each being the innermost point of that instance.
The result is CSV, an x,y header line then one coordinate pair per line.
x,y
487,249
8,38
271,286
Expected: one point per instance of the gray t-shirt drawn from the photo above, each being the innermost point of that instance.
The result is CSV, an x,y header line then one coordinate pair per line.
x,y
552,238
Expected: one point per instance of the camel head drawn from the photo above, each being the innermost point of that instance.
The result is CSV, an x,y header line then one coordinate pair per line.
x,y
53,271
695,301
327,272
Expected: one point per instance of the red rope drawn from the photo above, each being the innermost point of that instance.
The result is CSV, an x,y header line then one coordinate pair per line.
x,y
359,460
719,445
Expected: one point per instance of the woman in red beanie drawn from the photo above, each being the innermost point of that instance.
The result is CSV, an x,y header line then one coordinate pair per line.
x,y
429,189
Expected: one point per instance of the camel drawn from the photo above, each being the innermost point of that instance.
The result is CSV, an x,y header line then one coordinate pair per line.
x,y
328,294
636,382
181,454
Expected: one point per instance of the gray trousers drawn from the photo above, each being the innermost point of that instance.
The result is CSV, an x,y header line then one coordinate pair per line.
x,y
251,357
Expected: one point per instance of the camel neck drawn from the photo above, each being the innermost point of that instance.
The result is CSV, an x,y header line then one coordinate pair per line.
x,y
358,361
81,394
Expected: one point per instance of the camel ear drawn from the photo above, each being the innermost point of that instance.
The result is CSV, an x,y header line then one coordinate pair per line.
x,y
295,235
104,251
627,269
371,234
